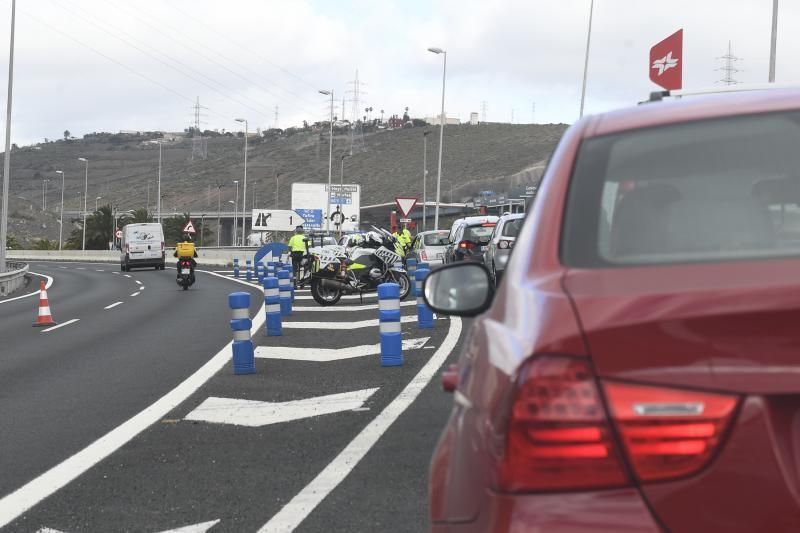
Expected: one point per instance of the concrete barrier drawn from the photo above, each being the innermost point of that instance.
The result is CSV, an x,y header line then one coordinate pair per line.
x,y
208,257
13,278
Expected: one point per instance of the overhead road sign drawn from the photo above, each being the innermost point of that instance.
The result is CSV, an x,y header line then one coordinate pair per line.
x,y
313,198
666,62
276,219
189,228
405,205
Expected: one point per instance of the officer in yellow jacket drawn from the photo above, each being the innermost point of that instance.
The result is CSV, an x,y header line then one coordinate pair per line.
x,y
298,248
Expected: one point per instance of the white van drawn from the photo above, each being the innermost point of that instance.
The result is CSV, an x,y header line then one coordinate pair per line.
x,y
142,245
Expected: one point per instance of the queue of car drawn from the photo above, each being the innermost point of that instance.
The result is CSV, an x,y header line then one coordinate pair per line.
x,y
638,368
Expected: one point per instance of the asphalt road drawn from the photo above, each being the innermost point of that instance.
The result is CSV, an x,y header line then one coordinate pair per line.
x,y
361,468
61,390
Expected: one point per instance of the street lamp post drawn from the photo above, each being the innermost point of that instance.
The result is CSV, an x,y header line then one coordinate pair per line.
x,y
773,42
234,220
425,179
95,202
586,58
7,155
202,222
219,210
44,194
235,212
158,200
330,163
244,185
277,184
61,218
341,186
85,193
441,137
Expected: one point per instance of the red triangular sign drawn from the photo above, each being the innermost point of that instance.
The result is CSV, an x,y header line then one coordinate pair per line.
x,y
405,205
189,228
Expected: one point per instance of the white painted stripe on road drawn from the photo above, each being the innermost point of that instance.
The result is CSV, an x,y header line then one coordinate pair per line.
x,y
137,282
67,323
25,497
194,528
116,273
324,355
99,270
345,297
63,268
127,275
293,513
135,293
112,305
142,287
47,286
341,325
80,268
344,307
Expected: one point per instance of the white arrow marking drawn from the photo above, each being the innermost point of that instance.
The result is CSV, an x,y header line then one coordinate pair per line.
x,y
195,528
346,307
256,414
342,325
324,355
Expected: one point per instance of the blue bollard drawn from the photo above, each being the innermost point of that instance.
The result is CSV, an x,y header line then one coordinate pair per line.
x,y
424,313
249,273
286,293
389,317
236,267
272,303
411,267
290,270
243,354
271,269
422,265
260,272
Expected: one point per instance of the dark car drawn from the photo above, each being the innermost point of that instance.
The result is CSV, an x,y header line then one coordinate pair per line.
x,y
639,367
469,238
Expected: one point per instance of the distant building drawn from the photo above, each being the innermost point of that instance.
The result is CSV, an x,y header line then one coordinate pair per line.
x,y
449,121
395,122
473,118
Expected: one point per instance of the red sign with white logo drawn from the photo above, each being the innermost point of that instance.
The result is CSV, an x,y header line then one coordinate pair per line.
x,y
666,62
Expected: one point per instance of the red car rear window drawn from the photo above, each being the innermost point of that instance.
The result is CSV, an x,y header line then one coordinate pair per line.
x,y
708,190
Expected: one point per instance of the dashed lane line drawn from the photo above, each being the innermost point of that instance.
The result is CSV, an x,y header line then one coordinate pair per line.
x,y
67,323
137,282
293,513
99,270
127,275
112,305
135,293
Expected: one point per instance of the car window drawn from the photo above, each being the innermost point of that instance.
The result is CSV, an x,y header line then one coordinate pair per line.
x,y
511,227
701,191
481,232
436,239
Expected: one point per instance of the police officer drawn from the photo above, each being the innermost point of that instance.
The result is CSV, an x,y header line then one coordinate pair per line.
x,y
297,245
406,235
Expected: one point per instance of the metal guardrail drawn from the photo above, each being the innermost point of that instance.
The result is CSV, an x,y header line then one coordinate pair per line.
x,y
14,278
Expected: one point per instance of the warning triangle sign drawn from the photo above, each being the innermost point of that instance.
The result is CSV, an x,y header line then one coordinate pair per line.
x,y
189,228
405,205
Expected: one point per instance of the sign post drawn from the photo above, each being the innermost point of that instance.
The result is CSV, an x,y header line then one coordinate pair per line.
x,y
666,62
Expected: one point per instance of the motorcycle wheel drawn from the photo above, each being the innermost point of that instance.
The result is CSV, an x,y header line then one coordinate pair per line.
x,y
186,287
322,295
401,278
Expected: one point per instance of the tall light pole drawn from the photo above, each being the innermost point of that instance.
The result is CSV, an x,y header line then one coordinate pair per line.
x,y
773,42
219,211
234,221
244,186
341,187
277,183
85,193
425,179
44,193
95,202
158,200
235,211
61,218
7,156
586,59
441,137
330,164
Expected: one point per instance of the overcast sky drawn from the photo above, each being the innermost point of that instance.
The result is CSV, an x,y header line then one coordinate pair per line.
x,y
107,65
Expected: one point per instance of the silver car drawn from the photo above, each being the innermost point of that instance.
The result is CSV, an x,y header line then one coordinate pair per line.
x,y
429,247
501,244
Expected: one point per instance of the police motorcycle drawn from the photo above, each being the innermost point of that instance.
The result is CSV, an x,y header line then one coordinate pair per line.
x,y
335,272
314,247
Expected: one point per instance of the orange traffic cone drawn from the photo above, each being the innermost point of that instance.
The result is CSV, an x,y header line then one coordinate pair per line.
x,y
44,318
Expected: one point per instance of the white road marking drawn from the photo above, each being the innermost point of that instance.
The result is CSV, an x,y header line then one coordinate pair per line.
x,y
127,275
63,267
324,355
116,273
252,413
36,490
112,305
194,528
142,287
137,282
67,323
345,307
345,297
342,325
99,270
47,286
293,513
135,293
80,268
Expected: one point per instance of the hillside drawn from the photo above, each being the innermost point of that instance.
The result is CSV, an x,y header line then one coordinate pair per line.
x,y
390,165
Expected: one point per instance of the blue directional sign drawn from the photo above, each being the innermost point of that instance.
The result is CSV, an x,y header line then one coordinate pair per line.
x,y
312,217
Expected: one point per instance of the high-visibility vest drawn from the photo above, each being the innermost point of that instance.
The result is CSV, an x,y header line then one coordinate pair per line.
x,y
297,243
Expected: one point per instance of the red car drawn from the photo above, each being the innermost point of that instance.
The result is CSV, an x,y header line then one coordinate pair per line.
x,y
639,369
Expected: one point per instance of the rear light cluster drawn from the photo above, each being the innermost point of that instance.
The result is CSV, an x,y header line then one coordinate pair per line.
x,y
423,255
560,436
504,245
466,245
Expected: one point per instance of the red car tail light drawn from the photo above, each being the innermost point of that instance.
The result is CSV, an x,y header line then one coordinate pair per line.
x,y
423,255
466,245
559,437
668,433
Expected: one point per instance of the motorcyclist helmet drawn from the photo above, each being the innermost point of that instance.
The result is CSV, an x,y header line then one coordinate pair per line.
x,y
187,237
374,238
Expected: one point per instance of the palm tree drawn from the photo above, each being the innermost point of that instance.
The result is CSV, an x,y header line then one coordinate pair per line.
x,y
98,230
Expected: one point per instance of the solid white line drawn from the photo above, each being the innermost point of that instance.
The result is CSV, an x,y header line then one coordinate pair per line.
x,y
342,325
135,294
25,497
46,287
112,305
346,307
345,297
67,323
293,513
325,355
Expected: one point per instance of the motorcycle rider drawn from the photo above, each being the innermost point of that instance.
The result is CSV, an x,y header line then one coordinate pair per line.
x,y
298,247
185,250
